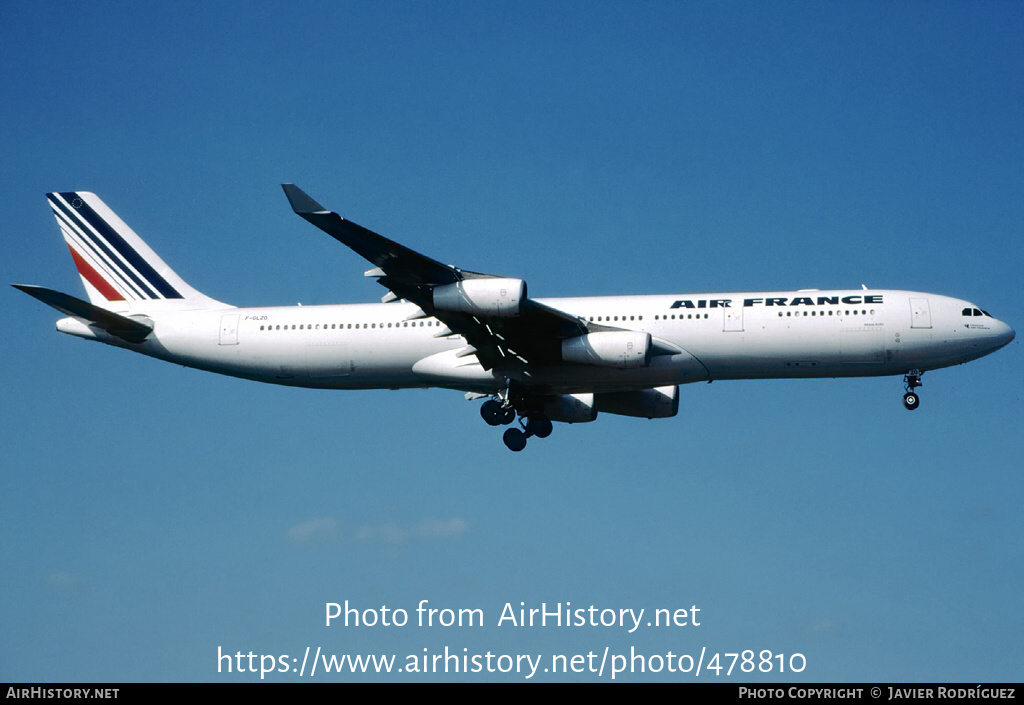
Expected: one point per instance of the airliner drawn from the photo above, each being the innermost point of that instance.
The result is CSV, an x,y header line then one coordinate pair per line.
x,y
535,360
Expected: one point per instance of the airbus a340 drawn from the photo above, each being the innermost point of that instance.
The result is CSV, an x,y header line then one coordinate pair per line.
x,y
541,360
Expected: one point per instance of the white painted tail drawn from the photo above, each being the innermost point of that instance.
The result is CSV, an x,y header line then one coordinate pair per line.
x,y
119,271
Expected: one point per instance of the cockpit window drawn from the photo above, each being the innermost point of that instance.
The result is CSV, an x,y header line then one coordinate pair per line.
x,y
975,312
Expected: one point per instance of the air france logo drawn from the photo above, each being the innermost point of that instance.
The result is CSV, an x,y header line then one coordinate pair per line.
x,y
855,299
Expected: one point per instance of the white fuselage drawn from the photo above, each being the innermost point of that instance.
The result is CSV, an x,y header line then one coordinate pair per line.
x,y
808,333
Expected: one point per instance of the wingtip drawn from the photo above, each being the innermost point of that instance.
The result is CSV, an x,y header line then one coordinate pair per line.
x,y
300,200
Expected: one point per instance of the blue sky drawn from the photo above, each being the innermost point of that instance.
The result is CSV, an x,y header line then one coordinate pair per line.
x,y
152,514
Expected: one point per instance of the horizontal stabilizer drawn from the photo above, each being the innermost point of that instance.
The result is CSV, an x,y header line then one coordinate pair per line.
x,y
126,329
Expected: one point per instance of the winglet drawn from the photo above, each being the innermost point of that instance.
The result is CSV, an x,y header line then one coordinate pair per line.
x,y
300,201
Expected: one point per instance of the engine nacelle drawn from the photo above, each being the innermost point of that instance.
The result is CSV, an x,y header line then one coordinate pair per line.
x,y
625,349
482,297
657,403
570,408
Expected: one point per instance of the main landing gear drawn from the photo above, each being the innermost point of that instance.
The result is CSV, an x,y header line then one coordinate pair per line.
x,y
500,412
911,381
515,440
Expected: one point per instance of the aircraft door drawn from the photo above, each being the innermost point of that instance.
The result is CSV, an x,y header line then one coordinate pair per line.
x,y
733,319
920,314
229,329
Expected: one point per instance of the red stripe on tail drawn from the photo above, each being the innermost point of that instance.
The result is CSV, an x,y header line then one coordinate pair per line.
x,y
93,277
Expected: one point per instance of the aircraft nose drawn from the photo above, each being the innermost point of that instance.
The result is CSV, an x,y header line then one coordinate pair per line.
x,y
1004,334
1010,335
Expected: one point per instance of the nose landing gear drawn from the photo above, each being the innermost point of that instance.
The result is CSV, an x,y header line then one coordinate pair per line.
x,y
911,381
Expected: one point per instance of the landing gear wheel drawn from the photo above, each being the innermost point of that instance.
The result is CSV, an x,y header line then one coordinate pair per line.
x,y
492,412
515,440
496,414
538,426
911,381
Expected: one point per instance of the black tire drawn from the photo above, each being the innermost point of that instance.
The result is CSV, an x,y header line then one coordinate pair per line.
x,y
515,440
539,426
911,401
491,412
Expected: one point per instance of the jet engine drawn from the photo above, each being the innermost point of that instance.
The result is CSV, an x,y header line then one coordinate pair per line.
x,y
657,403
570,408
490,296
625,349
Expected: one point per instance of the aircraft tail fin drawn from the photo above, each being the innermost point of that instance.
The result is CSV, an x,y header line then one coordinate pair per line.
x,y
119,270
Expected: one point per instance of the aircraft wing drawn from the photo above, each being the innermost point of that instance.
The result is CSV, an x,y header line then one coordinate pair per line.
x,y
532,336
